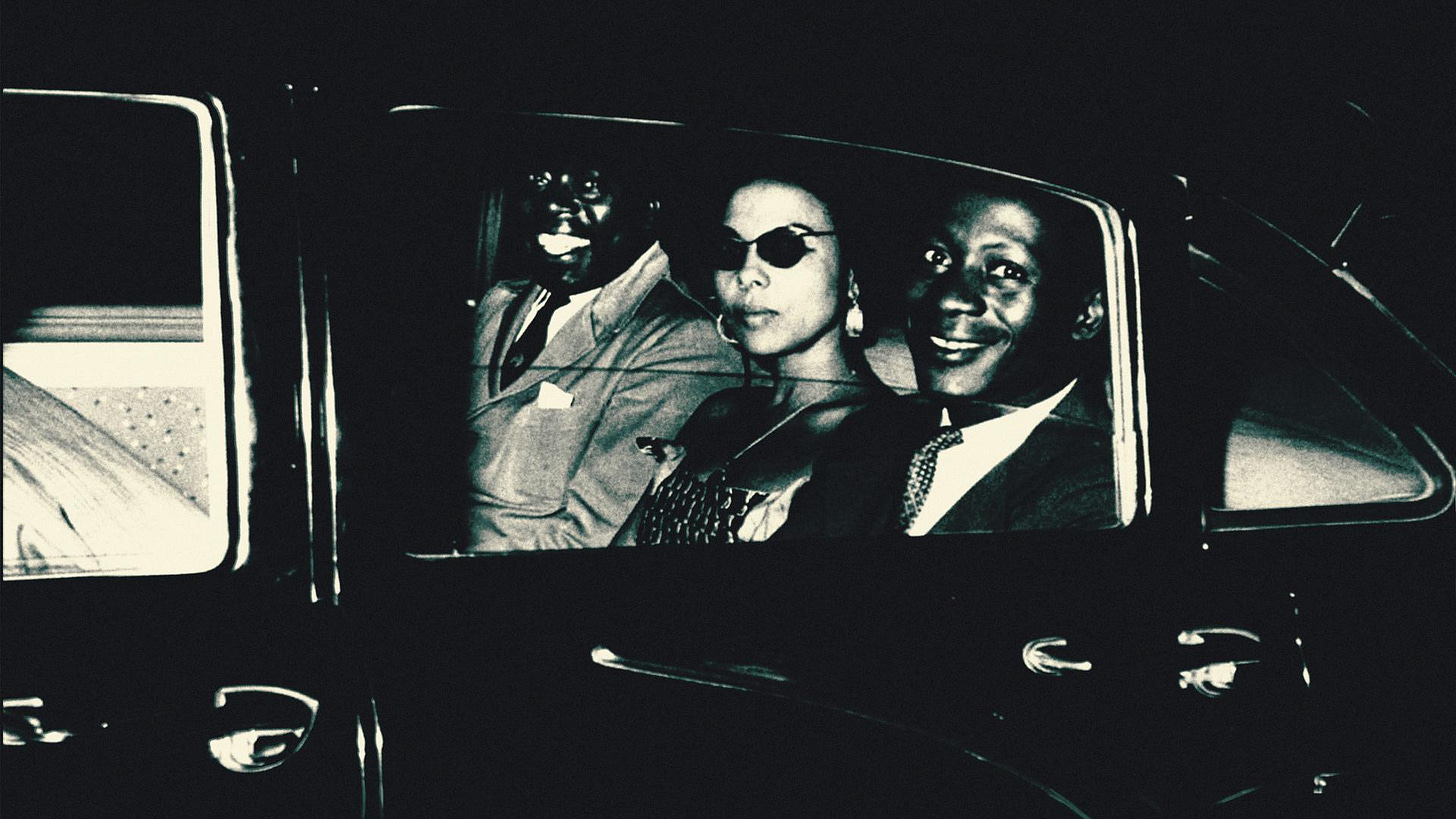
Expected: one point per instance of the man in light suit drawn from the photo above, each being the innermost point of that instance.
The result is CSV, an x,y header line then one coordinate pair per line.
x,y
1011,429
593,346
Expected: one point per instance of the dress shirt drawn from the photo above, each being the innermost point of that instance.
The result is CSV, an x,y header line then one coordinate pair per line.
x,y
983,446
563,314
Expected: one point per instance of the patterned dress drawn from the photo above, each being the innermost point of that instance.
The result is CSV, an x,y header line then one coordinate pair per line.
x,y
690,511
698,507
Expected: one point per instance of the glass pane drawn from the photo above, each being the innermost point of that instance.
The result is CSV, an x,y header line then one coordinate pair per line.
x,y
654,337
112,400
101,203
1293,437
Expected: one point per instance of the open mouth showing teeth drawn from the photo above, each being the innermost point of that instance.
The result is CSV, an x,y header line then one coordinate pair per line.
x,y
947,344
559,244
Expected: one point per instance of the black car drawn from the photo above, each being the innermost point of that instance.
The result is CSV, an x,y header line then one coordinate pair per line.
x,y
239,323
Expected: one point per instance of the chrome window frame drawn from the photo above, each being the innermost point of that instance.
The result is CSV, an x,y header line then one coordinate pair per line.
x,y
232,436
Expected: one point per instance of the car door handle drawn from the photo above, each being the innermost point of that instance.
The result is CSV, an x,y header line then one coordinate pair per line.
x,y
24,726
1214,679
1035,658
272,724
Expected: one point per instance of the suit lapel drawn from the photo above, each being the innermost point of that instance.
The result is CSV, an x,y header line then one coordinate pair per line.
x,y
988,505
500,317
570,343
506,308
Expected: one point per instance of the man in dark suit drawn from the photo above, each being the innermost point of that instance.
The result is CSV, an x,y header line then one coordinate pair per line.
x,y
1011,428
590,347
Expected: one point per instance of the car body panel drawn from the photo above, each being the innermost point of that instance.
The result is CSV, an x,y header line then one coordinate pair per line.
x,y
1193,662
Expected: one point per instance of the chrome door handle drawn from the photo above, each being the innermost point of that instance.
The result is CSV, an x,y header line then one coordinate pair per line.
x,y
1040,662
1214,679
24,727
273,725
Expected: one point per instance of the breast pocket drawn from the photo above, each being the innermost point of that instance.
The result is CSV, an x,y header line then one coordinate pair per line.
x,y
526,454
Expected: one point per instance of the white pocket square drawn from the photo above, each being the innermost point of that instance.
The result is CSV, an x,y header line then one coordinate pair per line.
x,y
552,397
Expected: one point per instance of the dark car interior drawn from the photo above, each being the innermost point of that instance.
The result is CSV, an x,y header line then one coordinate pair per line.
x,y
437,217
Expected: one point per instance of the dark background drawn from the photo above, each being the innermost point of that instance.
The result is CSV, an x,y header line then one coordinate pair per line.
x,y
1297,114
754,65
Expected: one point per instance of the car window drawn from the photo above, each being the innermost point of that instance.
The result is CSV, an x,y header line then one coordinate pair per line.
x,y
1290,435
641,335
112,366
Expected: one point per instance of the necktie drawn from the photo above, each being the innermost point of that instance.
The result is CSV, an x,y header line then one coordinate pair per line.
x,y
921,473
521,354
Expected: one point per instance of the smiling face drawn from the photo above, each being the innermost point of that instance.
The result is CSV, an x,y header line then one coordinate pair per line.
x,y
985,321
579,224
783,312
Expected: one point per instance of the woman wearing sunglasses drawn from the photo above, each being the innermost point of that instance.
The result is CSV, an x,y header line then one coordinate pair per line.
x,y
787,298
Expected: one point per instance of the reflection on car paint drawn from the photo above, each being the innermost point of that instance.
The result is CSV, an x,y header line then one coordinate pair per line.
x,y
1194,637
26,729
255,749
1236,795
1211,680
720,675
1322,781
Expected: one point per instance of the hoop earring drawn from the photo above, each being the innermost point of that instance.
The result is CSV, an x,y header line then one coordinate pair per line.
x,y
723,335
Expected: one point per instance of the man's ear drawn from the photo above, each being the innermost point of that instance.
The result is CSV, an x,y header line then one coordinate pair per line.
x,y
1090,318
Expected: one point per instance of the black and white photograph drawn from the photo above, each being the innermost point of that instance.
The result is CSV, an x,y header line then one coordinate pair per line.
x,y
930,409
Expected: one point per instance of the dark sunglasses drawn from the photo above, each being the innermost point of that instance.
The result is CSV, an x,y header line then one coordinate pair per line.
x,y
781,247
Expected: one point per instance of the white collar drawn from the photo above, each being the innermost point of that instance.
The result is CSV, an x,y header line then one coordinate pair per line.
x,y
983,446
1040,410
574,304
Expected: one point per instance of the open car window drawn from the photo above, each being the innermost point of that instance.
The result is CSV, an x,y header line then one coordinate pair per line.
x,y
561,332
114,449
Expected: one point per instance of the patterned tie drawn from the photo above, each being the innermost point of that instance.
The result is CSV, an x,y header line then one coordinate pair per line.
x,y
921,473
524,351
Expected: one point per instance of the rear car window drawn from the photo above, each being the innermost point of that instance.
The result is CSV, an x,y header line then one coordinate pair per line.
x,y
113,376
1291,436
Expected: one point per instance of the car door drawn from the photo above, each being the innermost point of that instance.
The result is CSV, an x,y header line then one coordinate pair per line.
x,y
1326,475
161,651
1129,667
500,678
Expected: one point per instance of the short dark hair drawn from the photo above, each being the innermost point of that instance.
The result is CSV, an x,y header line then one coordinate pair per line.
x,y
825,190
700,209
1073,240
